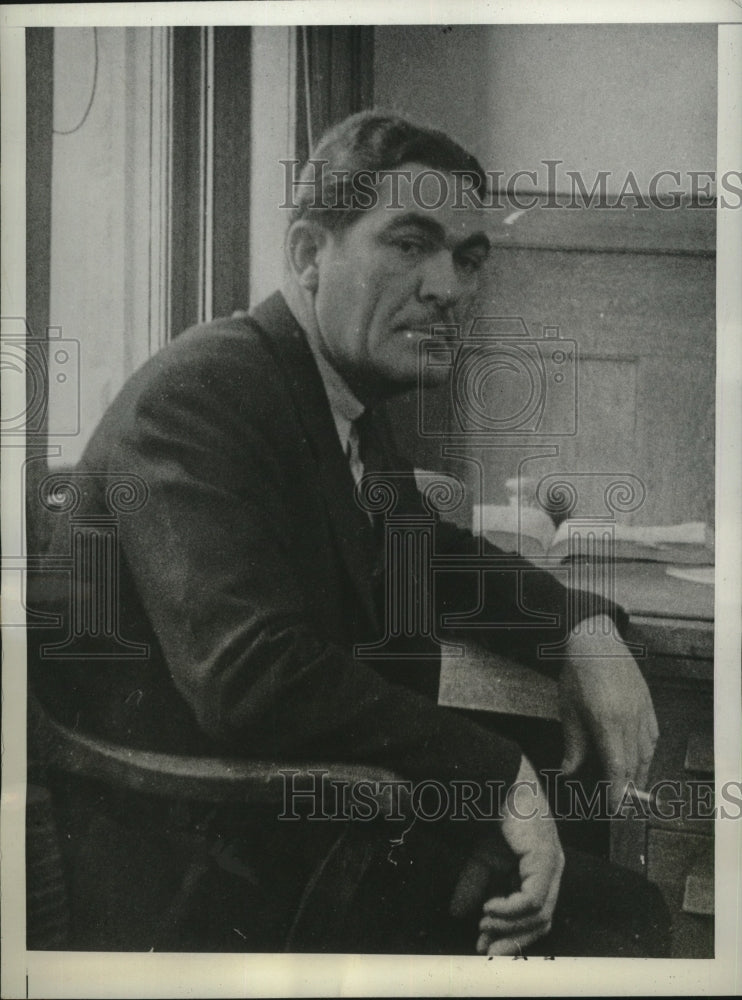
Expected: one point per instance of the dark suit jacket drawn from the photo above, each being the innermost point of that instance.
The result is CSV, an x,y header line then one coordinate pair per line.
x,y
248,573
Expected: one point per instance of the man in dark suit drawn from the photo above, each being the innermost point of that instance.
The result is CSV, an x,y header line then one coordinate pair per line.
x,y
251,572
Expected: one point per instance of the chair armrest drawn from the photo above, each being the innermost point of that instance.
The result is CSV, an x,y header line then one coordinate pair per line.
x,y
204,779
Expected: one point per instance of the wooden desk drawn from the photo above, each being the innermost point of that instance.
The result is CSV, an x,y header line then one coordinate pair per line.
x,y
673,620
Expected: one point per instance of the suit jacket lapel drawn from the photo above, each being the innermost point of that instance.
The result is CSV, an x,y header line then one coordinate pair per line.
x,y
287,342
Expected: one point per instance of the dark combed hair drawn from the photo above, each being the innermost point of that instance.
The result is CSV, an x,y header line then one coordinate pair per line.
x,y
362,146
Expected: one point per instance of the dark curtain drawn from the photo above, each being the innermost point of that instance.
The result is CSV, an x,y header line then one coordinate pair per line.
x,y
334,79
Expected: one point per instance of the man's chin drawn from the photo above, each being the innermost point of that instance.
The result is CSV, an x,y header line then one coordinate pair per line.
x,y
397,379
433,377
417,376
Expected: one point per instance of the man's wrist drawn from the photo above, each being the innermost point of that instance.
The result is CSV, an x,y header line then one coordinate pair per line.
x,y
591,635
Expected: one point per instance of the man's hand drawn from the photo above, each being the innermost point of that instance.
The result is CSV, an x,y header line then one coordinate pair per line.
x,y
604,699
511,923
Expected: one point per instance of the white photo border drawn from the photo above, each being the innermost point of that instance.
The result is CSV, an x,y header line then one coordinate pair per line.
x,y
69,974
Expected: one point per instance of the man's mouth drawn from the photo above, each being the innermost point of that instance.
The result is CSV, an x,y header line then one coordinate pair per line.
x,y
418,330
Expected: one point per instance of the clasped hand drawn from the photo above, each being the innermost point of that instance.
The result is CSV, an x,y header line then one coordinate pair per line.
x,y
510,923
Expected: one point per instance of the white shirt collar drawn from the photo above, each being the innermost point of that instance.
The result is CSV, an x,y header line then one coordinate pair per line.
x,y
345,407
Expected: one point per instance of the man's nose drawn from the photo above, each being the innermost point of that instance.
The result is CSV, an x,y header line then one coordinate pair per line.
x,y
441,281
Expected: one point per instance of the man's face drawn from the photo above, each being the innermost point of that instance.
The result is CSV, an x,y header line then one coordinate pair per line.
x,y
384,280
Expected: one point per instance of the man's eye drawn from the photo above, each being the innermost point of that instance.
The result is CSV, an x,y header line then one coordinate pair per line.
x,y
470,263
410,246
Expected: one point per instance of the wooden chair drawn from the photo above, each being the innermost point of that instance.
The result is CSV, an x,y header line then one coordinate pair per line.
x,y
58,750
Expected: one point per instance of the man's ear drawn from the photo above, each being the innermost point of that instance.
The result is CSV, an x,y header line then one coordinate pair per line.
x,y
304,241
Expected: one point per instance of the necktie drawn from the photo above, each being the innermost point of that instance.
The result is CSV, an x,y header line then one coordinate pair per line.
x,y
372,460
371,449
376,458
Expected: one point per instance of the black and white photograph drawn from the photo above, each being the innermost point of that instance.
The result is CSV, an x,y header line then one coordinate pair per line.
x,y
371,500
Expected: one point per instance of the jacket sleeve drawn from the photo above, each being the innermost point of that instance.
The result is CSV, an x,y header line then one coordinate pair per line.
x,y
510,605
212,560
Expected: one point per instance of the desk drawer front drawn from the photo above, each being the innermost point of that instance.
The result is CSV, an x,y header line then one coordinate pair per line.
x,y
682,865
